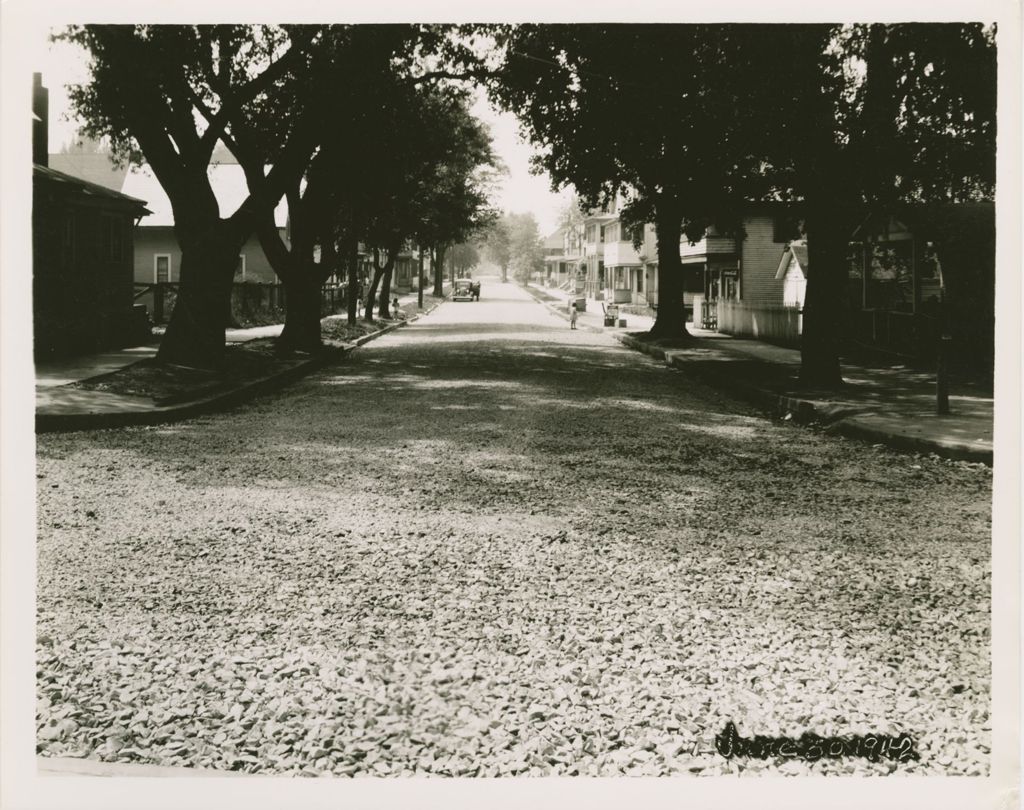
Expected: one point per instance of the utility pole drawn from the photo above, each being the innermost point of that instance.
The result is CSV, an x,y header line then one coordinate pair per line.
x,y
942,372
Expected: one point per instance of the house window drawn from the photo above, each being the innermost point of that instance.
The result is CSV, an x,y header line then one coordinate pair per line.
x,y
112,238
240,268
162,268
639,279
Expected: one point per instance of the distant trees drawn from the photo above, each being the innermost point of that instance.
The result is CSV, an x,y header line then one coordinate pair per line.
x,y
464,257
497,241
525,246
514,242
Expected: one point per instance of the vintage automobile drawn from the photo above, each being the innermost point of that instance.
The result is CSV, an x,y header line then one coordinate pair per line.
x,y
463,290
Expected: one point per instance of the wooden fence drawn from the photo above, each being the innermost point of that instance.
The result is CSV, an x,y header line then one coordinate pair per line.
x,y
774,324
248,300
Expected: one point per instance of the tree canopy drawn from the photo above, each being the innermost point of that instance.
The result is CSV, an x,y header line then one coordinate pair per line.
x,y
167,94
694,122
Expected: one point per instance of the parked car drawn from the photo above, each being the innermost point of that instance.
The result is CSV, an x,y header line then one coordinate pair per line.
x,y
463,290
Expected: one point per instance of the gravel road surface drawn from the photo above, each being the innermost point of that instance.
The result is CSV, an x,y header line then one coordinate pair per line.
x,y
488,545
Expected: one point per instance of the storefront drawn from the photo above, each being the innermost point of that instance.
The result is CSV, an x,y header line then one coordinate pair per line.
x,y
714,280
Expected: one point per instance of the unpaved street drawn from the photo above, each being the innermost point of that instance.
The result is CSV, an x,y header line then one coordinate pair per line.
x,y
487,545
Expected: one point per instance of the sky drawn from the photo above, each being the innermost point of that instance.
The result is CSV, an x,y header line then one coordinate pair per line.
x,y
518,191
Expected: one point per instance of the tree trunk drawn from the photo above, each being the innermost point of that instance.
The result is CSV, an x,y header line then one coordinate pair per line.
x,y
419,299
964,238
441,250
385,288
195,333
302,312
828,233
438,273
671,316
831,184
371,296
352,263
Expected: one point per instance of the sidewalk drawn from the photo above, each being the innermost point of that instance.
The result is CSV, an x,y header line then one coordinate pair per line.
x,y
891,405
61,406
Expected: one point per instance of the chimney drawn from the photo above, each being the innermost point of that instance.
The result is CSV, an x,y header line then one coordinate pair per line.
x,y
40,120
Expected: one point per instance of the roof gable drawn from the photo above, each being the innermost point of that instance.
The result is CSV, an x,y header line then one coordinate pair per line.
x,y
95,167
796,255
85,189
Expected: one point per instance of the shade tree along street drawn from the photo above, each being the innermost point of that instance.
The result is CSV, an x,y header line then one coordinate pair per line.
x,y
167,94
370,184
685,154
847,121
905,122
844,120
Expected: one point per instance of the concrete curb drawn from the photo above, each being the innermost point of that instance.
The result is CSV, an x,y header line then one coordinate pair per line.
x,y
68,422
841,419
946,448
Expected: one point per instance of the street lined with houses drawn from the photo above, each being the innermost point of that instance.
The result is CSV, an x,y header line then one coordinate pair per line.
x,y
485,544
584,399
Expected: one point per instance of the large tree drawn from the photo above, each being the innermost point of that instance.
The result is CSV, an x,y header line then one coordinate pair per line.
x,y
331,206
723,115
683,150
372,183
453,198
167,95
896,115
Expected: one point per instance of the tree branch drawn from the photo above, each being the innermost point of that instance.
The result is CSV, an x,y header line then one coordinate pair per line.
x,y
435,75
273,245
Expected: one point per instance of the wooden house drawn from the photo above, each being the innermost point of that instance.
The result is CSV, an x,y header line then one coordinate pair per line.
x,y
82,244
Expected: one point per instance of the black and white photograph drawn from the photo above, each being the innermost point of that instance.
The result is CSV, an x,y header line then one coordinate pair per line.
x,y
564,405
